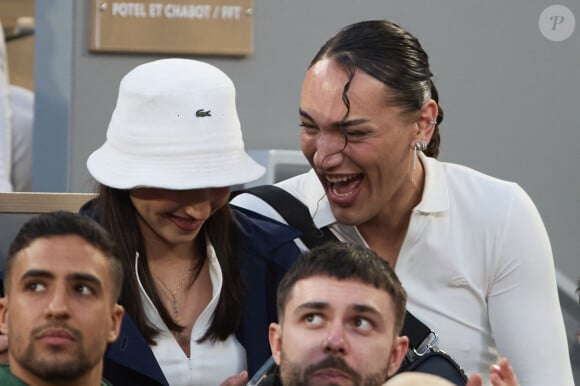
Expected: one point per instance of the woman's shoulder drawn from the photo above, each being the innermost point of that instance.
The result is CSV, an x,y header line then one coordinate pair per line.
x,y
264,239
257,227
461,177
474,189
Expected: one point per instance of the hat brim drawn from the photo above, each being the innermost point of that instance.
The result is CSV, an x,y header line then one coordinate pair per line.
x,y
194,171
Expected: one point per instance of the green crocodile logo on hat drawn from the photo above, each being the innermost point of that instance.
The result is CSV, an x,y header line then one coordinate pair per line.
x,y
203,113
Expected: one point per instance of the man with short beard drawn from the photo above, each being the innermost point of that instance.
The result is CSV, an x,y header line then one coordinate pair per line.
x,y
62,281
341,311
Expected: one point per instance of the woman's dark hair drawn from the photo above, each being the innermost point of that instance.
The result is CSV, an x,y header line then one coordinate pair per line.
x,y
118,216
388,53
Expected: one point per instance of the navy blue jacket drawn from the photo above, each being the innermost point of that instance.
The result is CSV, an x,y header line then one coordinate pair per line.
x,y
266,254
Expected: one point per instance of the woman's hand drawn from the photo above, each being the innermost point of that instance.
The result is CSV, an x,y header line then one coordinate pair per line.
x,y
501,374
236,380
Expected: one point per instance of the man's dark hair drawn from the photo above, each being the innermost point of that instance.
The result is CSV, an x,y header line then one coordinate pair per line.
x,y
345,262
62,223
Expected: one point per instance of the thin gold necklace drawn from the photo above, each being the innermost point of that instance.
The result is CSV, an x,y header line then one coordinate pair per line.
x,y
173,294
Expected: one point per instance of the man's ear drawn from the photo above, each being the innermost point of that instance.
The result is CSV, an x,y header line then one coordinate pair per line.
x,y
4,315
116,319
398,352
275,337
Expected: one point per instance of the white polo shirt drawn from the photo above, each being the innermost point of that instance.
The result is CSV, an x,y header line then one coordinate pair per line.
x,y
477,266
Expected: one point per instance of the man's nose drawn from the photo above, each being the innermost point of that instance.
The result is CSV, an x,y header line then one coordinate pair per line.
x,y
336,341
58,305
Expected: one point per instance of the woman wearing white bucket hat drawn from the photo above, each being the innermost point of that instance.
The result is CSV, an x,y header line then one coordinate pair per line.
x,y
174,148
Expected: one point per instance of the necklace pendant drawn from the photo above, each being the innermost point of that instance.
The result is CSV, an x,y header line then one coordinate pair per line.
x,y
173,296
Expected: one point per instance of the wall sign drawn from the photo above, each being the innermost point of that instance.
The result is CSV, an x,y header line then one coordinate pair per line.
x,y
214,27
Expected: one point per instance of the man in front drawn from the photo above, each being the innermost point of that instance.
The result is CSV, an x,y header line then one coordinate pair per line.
x,y
341,310
61,283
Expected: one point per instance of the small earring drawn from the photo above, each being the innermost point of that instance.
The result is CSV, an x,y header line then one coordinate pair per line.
x,y
420,145
432,122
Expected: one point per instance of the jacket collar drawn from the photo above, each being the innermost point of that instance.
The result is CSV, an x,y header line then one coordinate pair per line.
x,y
132,351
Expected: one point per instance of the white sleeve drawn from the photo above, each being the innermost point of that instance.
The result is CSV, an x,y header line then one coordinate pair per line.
x,y
524,310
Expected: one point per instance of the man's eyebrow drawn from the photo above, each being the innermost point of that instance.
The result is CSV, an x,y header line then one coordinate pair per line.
x,y
86,277
40,273
312,306
365,309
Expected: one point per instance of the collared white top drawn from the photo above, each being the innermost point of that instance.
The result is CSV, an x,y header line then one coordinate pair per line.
x,y
477,266
210,362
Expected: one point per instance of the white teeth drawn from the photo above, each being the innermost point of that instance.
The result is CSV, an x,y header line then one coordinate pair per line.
x,y
334,180
341,195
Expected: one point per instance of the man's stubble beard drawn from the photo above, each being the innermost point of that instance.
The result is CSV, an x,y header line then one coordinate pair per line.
x,y
60,364
291,373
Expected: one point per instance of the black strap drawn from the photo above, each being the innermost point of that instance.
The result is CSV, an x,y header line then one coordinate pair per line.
x,y
415,330
294,212
297,215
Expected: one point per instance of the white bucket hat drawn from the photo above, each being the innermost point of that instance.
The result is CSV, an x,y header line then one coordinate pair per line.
x,y
175,126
